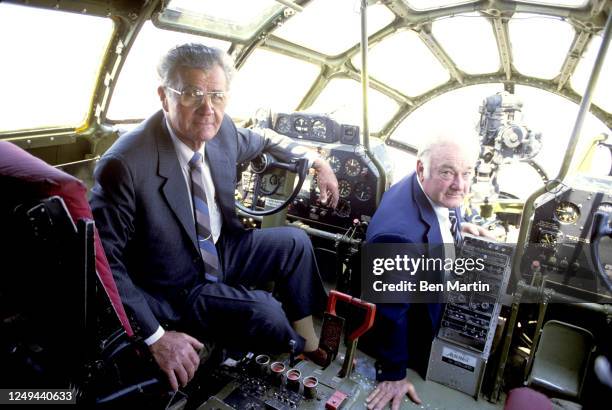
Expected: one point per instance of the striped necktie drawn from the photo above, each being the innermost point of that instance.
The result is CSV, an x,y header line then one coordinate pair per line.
x,y
455,231
202,220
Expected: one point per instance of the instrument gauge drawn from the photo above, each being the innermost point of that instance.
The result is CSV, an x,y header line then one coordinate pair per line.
x,y
352,167
301,125
283,125
567,212
334,163
343,210
549,238
363,192
319,129
344,188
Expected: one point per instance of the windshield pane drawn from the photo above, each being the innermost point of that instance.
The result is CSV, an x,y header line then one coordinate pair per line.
x,y
469,42
564,3
239,19
270,80
342,100
554,117
331,27
455,107
434,4
602,95
135,96
53,86
543,112
414,70
539,44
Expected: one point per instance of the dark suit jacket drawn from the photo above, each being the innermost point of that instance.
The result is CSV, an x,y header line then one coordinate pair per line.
x,y
142,210
403,216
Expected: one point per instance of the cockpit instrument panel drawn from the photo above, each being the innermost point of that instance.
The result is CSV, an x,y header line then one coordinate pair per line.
x,y
560,236
315,127
358,177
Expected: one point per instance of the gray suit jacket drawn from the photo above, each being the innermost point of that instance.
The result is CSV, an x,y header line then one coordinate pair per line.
x,y
143,213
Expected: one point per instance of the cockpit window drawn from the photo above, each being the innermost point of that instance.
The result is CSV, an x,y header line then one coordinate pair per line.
x,y
434,4
270,80
602,95
409,78
44,85
331,27
342,98
237,19
422,5
564,3
539,44
456,32
135,96
542,112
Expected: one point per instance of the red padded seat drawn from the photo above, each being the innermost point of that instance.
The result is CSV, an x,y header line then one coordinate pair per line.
x,y
24,176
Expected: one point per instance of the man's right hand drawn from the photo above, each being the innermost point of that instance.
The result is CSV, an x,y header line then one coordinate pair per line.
x,y
391,391
176,354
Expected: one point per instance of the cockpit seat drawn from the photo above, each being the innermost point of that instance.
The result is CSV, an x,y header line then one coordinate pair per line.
x,y
25,178
561,360
62,322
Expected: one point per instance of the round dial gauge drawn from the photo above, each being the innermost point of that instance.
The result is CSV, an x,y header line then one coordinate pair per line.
x,y
319,129
567,212
301,125
344,188
352,167
549,238
343,210
283,125
363,192
334,163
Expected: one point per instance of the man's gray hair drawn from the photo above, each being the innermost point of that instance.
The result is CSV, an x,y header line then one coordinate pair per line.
x,y
467,142
193,55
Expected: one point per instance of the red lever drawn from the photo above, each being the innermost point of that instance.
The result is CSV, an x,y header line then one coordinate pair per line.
x,y
370,309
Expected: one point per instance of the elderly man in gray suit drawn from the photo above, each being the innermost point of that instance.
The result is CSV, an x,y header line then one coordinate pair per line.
x,y
184,266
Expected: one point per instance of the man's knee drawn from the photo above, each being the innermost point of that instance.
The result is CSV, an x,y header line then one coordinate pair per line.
x,y
299,238
268,311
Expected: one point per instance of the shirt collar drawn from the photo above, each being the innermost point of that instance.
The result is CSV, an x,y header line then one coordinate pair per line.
x,y
183,152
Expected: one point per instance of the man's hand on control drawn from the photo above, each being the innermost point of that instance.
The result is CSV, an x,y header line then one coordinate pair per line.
x,y
328,184
391,391
176,354
472,229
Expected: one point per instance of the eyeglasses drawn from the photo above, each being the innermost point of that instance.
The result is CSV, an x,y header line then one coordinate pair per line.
x,y
194,97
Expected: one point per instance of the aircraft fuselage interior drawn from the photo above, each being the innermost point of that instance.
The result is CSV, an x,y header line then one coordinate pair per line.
x,y
360,85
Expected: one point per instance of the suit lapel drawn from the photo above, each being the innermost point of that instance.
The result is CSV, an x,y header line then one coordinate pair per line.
x,y
174,189
217,162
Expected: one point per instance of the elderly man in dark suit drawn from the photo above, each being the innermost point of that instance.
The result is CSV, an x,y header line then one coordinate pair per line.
x,y
422,208
164,206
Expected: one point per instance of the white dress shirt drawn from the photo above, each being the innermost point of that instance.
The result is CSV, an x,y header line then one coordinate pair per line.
x,y
444,224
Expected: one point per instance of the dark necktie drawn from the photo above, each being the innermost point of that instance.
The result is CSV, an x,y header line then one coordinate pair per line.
x,y
455,231
202,220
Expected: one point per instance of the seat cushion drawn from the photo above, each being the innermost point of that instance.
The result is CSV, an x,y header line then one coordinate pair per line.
x,y
524,398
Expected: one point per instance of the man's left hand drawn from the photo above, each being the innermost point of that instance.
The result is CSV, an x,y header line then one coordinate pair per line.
x,y
476,230
328,184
